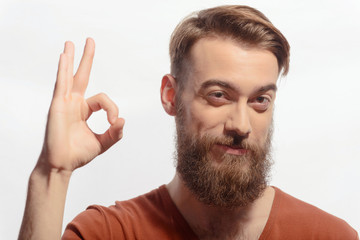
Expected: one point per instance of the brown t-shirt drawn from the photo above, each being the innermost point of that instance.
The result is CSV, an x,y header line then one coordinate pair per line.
x,y
155,216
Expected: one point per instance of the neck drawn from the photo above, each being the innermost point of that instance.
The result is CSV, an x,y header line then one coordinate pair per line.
x,y
209,222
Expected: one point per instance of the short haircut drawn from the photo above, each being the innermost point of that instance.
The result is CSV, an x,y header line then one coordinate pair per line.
x,y
247,26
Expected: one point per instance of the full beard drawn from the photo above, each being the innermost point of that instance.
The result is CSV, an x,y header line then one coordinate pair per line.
x,y
235,180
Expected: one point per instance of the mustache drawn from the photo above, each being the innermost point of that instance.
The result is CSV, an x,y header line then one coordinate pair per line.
x,y
234,141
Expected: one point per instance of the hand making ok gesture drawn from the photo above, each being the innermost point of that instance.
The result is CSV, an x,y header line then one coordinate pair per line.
x,y
69,142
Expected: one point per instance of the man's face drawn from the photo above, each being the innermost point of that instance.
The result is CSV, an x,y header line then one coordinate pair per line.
x,y
224,121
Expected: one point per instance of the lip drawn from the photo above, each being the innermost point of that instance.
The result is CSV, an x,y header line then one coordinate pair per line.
x,y
232,150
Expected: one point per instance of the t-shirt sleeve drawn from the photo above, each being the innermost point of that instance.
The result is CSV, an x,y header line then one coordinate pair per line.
x,y
90,224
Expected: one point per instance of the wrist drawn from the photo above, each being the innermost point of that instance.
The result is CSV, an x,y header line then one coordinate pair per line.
x,y
45,173
45,168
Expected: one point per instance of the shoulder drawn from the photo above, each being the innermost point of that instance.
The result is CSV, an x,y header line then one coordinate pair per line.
x,y
152,201
297,217
115,221
149,216
93,223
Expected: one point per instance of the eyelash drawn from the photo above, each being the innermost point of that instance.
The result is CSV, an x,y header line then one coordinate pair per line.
x,y
216,94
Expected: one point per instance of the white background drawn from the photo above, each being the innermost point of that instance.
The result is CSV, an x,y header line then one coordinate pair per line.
x,y
317,119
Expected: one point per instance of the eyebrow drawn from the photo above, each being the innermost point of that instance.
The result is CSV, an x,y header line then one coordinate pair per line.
x,y
216,82
267,88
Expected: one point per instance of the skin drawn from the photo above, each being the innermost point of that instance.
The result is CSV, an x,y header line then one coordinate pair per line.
x,y
230,90
68,144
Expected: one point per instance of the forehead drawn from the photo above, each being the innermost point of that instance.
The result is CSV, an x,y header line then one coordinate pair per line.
x,y
226,60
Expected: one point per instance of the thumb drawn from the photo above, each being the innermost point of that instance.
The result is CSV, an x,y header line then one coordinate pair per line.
x,y
112,135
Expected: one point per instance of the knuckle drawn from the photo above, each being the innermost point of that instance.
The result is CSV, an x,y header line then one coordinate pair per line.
x,y
105,102
102,95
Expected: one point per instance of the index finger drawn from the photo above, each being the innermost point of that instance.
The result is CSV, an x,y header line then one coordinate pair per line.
x,y
82,75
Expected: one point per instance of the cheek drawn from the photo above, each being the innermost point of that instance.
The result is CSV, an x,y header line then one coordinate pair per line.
x,y
203,119
261,126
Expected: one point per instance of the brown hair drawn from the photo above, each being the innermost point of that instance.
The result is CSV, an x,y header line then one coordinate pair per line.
x,y
244,24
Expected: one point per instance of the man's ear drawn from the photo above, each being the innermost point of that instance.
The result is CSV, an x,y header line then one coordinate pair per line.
x,y
167,94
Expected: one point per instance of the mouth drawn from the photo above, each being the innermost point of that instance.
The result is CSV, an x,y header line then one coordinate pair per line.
x,y
232,149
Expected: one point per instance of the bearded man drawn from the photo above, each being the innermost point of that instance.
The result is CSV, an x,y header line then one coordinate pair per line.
x,y
225,62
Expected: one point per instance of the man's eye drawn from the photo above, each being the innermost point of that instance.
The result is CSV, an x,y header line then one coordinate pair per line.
x,y
217,94
217,98
262,100
261,103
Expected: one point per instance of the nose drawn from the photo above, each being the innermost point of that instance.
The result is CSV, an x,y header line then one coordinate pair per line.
x,y
238,121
